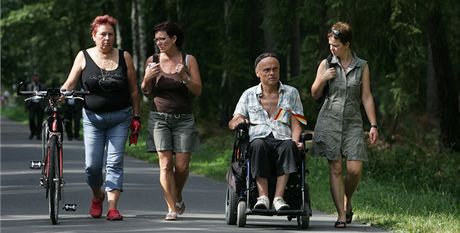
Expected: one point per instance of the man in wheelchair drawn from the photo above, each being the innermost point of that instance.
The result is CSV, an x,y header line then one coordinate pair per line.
x,y
274,113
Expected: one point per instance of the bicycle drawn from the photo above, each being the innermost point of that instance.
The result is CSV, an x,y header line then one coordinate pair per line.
x,y
51,164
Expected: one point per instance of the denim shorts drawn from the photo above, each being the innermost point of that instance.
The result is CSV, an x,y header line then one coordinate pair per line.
x,y
172,132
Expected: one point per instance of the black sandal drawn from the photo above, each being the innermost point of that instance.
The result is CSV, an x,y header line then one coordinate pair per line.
x,y
349,217
340,224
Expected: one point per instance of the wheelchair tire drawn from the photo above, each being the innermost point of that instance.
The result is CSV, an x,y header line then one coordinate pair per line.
x,y
303,221
231,205
241,220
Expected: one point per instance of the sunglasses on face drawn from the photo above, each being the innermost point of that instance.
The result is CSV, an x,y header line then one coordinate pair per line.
x,y
337,34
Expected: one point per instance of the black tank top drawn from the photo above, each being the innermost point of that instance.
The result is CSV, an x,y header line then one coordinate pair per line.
x,y
109,89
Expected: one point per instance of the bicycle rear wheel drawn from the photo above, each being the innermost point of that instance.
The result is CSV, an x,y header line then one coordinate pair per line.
x,y
53,179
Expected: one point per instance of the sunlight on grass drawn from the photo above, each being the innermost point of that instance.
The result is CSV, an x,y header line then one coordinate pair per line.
x,y
19,114
391,206
385,204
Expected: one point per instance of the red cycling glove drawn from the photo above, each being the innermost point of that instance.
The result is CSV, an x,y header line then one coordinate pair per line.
x,y
135,129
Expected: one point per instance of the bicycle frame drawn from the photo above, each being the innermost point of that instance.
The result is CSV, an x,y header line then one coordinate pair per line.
x,y
52,165
53,126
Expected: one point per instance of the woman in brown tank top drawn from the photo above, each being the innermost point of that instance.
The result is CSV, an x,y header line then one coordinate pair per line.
x,y
171,79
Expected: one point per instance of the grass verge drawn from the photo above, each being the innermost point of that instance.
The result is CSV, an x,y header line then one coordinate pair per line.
x,y
389,204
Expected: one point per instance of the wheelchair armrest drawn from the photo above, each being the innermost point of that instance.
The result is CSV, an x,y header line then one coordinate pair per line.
x,y
242,131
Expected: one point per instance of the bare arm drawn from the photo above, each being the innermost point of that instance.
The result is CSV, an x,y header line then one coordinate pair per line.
x,y
150,74
296,131
132,80
368,103
194,85
75,73
323,74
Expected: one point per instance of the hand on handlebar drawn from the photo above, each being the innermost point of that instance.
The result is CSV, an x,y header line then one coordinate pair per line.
x,y
299,145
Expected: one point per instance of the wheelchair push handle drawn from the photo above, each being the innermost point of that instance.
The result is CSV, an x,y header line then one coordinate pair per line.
x,y
242,131
307,139
242,126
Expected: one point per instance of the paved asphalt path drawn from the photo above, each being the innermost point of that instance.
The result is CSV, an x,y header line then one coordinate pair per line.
x,y
25,209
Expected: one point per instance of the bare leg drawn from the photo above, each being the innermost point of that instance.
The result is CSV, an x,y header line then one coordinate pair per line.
x,y
262,186
112,198
167,179
337,187
97,192
354,169
181,171
281,182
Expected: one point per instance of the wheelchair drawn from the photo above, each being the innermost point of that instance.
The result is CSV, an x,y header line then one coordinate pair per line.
x,y
241,195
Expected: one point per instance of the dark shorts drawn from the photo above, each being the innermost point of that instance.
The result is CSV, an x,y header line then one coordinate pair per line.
x,y
172,132
270,157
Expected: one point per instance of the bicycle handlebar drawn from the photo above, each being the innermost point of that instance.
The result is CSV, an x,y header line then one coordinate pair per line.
x,y
51,92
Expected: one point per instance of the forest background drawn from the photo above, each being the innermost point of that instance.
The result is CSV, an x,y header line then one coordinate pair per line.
x,y
412,47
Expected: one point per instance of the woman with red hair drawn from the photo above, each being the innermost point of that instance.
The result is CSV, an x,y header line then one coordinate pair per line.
x,y
111,108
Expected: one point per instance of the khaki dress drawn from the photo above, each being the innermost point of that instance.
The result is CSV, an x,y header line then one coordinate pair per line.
x,y
339,128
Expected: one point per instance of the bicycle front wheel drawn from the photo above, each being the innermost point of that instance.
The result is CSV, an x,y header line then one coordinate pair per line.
x,y
53,179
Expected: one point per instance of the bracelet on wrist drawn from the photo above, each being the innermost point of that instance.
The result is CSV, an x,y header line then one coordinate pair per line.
x,y
187,79
136,117
145,92
374,126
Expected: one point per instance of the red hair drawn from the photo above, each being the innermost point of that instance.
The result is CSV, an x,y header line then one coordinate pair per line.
x,y
102,20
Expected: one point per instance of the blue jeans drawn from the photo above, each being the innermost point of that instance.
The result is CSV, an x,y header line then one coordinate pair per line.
x,y
105,137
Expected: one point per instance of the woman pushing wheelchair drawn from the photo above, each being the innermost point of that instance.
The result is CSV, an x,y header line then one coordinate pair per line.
x,y
275,113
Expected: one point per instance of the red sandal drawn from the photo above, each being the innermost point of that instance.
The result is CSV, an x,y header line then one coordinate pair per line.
x,y
96,207
114,215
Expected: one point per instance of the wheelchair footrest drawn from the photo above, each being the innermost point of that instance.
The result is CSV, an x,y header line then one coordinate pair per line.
x,y
271,212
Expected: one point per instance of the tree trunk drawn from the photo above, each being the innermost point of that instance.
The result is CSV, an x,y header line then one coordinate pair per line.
x,y
268,35
142,41
294,52
225,85
135,34
447,84
432,108
322,31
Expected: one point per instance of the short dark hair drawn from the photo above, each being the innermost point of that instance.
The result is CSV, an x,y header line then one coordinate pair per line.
x,y
172,29
262,56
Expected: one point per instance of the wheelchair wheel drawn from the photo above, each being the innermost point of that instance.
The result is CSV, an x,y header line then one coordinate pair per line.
x,y
241,220
303,221
231,204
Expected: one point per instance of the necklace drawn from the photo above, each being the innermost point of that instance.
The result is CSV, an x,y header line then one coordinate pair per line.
x,y
102,73
345,66
105,60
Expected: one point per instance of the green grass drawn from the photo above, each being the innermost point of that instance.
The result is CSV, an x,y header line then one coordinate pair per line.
x,y
389,203
14,112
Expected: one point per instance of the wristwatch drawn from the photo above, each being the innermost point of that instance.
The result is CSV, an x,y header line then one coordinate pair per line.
x,y
374,126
